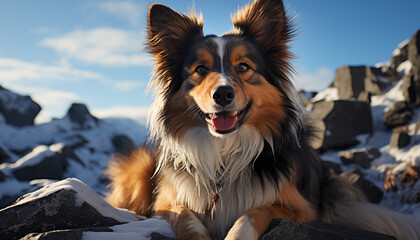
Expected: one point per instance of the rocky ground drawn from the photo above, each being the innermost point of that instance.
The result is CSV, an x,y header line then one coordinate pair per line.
x,y
369,132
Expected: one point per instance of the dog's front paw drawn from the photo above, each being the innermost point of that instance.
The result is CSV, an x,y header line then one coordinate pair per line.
x,y
243,229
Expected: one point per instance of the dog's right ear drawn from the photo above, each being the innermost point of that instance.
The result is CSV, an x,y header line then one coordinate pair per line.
x,y
169,36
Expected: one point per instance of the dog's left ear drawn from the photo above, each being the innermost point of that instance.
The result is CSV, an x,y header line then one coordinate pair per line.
x,y
265,22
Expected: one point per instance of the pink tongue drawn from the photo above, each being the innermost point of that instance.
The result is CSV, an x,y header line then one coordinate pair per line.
x,y
223,122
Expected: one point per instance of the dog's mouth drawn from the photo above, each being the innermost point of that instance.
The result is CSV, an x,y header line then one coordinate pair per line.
x,y
226,122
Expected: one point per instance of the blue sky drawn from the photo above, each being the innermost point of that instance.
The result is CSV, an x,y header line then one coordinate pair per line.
x,y
61,52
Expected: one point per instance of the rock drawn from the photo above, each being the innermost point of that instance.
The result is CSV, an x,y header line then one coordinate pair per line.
x,y
359,82
4,157
81,117
2,176
123,144
339,122
361,157
331,166
43,163
411,86
355,177
68,204
400,55
17,110
399,139
288,230
398,115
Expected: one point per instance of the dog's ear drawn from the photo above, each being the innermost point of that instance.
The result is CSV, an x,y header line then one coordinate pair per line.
x,y
169,36
265,22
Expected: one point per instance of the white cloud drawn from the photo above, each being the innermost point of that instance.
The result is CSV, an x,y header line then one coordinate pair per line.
x,y
315,81
132,12
127,85
12,70
138,114
103,46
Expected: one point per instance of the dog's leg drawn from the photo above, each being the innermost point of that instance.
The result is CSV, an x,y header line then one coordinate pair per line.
x,y
184,223
290,205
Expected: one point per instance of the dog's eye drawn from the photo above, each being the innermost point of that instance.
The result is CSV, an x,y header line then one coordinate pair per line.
x,y
242,67
201,69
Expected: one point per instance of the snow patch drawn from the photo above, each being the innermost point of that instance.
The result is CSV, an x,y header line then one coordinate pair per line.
x,y
404,68
329,94
397,51
138,230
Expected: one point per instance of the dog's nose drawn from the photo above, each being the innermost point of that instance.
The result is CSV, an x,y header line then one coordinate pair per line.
x,y
224,95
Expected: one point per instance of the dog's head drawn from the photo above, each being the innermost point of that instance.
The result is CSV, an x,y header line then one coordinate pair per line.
x,y
223,82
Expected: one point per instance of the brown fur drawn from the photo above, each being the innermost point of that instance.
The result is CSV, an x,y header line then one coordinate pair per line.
x,y
131,181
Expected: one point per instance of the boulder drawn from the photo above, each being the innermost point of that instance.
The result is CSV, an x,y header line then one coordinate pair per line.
x,y
398,115
355,177
411,87
361,157
68,204
399,139
79,114
331,168
123,144
288,230
337,123
359,82
17,110
400,54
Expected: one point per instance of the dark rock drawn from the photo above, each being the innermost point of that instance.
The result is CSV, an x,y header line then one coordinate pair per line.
x,y
52,165
339,122
123,144
355,177
411,85
399,139
359,82
67,234
63,205
398,115
18,110
4,157
2,176
80,115
159,236
362,157
288,230
401,56
330,169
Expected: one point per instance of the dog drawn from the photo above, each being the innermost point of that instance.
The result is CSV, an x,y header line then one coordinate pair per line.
x,y
231,138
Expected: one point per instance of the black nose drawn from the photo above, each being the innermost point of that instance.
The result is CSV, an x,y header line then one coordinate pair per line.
x,y
224,95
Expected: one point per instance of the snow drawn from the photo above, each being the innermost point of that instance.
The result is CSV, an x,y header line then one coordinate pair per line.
x,y
139,230
397,51
84,194
404,67
329,94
